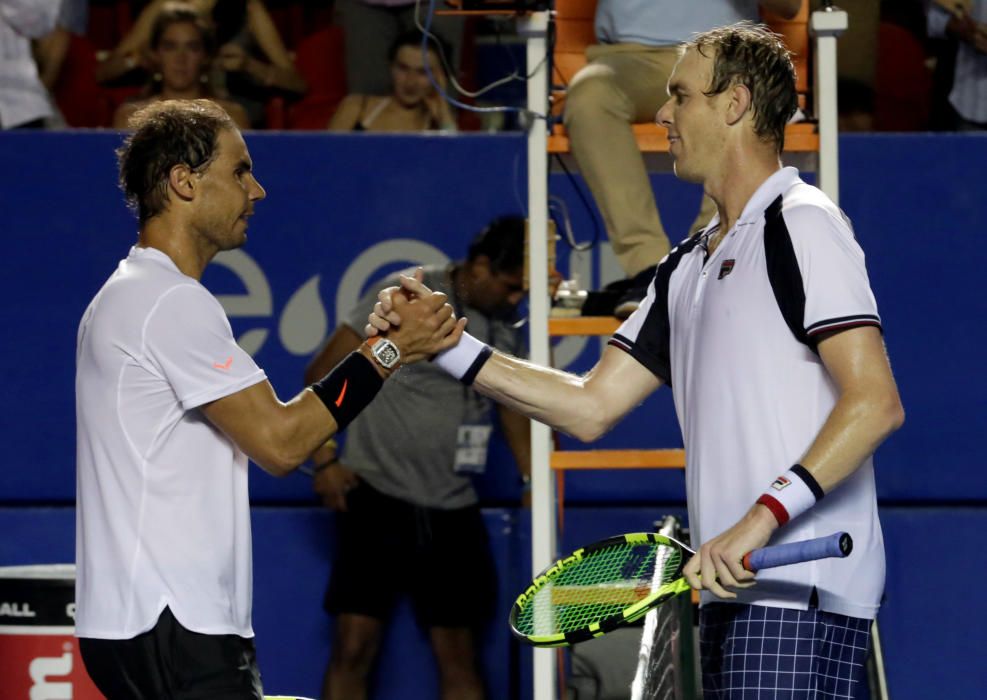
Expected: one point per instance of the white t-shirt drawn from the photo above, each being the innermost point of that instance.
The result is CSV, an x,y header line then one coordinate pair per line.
x,y
163,514
735,337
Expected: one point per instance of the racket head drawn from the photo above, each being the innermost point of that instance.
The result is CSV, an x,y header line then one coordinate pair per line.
x,y
598,588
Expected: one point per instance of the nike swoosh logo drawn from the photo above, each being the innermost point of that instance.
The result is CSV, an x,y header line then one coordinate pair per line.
x,y
342,393
224,365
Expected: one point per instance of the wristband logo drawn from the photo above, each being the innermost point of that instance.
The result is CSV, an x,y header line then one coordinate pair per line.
x,y
780,483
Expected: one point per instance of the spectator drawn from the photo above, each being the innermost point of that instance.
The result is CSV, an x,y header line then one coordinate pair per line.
x,y
252,62
966,22
635,53
51,49
182,47
24,102
406,479
371,27
413,105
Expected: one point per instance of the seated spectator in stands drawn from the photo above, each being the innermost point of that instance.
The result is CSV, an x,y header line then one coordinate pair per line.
x,y
24,101
370,28
252,63
966,22
182,46
413,105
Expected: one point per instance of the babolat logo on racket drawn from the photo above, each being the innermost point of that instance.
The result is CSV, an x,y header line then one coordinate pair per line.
x,y
780,483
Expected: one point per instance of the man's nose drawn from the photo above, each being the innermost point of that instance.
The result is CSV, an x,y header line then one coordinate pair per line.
x,y
663,116
257,192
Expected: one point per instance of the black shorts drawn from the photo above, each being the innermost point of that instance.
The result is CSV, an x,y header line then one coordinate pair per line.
x,y
387,548
169,662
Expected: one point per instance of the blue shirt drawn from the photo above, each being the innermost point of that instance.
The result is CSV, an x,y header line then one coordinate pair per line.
x,y
666,22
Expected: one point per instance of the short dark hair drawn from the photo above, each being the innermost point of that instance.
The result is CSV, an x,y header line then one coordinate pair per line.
x,y
166,134
181,14
752,55
414,37
502,241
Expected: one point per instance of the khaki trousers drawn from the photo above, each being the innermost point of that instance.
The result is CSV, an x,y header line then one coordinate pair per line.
x,y
622,84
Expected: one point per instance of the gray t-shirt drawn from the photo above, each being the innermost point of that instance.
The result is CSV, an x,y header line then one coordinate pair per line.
x,y
404,443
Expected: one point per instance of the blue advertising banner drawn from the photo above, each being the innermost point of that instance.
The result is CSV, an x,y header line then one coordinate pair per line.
x,y
344,210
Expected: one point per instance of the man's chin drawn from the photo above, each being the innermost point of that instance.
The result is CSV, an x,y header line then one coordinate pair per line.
x,y
683,173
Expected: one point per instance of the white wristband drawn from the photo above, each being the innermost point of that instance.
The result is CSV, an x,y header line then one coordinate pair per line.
x,y
464,360
791,494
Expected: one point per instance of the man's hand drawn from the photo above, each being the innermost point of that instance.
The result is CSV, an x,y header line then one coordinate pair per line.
x,y
416,319
718,563
332,483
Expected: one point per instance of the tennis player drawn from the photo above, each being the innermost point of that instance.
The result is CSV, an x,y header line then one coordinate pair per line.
x,y
766,329
169,408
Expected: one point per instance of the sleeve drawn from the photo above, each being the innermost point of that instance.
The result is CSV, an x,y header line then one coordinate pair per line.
x,y
646,334
188,341
30,18
356,317
834,275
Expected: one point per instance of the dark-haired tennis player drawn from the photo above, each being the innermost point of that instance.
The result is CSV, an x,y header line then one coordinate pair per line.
x,y
766,329
169,409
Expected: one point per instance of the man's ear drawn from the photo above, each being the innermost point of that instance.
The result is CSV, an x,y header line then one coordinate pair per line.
x,y
740,104
182,181
480,266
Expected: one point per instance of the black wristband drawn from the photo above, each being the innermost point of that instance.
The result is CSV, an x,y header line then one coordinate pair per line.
x,y
348,388
809,480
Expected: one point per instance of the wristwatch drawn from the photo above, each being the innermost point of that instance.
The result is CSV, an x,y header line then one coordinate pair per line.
x,y
385,352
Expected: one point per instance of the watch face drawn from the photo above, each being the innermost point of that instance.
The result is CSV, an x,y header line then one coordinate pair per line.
x,y
386,353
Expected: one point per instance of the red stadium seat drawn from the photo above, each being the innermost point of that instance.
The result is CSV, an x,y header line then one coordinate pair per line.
x,y
321,61
903,82
81,100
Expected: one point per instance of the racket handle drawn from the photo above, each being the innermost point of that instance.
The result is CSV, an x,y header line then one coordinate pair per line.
x,y
839,544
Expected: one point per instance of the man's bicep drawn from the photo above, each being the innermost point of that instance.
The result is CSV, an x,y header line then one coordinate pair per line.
x,y
619,383
245,413
856,359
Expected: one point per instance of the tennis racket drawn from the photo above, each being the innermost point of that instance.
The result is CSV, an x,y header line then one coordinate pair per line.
x,y
616,581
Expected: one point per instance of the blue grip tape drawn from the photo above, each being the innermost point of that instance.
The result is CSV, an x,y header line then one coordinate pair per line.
x,y
839,544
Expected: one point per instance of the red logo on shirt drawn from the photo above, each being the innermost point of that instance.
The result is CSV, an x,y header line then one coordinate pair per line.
x,y
726,268
780,483
224,365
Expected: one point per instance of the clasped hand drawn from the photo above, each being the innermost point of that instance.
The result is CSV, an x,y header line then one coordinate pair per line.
x,y
416,319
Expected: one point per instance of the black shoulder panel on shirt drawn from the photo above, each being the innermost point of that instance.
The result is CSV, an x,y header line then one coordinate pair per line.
x,y
784,273
652,346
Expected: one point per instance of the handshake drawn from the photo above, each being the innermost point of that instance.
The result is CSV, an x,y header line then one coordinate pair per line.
x,y
420,322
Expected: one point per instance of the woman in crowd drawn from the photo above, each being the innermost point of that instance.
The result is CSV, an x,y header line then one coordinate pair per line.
x,y
181,49
252,63
413,105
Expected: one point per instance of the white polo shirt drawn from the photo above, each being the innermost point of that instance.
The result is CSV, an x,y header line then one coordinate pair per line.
x,y
162,514
735,338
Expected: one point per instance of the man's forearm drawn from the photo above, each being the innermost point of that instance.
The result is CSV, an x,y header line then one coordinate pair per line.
x,y
584,406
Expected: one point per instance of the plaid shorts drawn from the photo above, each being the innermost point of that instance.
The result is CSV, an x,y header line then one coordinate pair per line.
x,y
750,652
